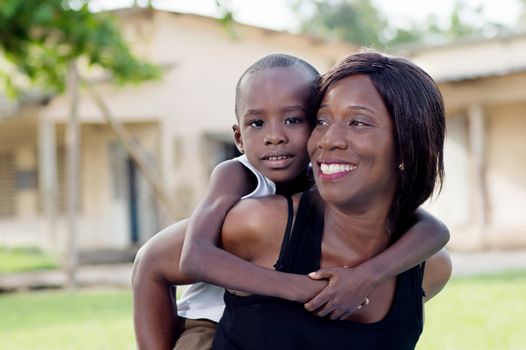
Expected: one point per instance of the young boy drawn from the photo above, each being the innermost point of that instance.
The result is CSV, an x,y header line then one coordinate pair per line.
x,y
274,124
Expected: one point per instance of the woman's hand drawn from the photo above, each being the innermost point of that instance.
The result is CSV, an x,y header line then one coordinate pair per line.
x,y
346,292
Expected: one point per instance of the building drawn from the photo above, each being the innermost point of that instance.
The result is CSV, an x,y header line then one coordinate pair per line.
x,y
484,86
182,123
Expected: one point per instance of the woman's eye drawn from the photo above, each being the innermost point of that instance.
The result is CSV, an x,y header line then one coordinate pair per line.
x,y
256,123
357,123
321,122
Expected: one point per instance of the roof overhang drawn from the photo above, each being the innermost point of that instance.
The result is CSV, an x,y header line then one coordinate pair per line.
x,y
474,59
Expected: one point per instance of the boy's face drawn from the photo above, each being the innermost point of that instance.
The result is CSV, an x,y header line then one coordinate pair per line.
x,y
273,128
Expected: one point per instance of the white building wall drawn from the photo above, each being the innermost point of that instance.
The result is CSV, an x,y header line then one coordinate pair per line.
x,y
507,166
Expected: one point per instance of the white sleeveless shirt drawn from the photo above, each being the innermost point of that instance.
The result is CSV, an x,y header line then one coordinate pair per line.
x,y
203,300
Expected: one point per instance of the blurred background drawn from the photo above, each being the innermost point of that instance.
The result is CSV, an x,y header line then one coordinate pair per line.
x,y
113,114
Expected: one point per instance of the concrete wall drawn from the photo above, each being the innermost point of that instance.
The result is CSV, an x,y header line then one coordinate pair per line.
x,y
506,156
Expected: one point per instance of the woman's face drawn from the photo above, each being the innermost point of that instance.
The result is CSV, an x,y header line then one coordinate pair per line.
x,y
352,147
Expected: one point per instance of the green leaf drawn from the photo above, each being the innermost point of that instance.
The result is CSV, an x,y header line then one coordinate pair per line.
x,y
43,14
9,8
41,37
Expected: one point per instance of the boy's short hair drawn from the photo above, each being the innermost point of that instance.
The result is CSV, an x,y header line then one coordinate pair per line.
x,y
277,60
417,110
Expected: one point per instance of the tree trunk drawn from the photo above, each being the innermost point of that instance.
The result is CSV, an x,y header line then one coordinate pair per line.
x,y
73,173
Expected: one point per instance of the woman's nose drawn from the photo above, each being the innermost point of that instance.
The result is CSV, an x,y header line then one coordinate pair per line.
x,y
333,138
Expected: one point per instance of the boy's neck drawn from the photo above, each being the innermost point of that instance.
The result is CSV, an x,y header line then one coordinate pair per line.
x,y
300,183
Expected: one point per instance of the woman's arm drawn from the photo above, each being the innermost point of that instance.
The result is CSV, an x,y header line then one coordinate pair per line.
x,y
436,273
155,268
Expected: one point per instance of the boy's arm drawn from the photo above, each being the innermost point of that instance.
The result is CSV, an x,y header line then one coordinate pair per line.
x,y
348,287
156,266
253,232
203,260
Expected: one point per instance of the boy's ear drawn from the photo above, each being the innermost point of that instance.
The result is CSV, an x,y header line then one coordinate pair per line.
x,y
238,140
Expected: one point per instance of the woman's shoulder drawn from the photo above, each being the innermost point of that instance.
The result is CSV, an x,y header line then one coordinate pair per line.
x,y
254,222
275,208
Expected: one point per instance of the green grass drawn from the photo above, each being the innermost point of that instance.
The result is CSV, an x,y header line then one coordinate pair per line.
x,y
24,259
87,319
482,313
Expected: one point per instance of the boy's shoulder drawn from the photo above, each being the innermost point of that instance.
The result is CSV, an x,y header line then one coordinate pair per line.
x,y
231,178
230,167
229,163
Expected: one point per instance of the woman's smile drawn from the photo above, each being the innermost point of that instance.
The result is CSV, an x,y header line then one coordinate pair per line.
x,y
334,170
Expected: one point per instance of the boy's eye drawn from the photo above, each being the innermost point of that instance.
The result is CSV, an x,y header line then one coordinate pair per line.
x,y
293,120
256,123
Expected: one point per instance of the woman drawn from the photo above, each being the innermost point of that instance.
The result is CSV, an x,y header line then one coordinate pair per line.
x,y
376,154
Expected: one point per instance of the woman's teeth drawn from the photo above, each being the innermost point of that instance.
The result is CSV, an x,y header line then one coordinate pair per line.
x,y
329,169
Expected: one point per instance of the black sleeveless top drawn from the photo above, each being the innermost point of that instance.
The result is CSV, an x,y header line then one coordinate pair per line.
x,y
259,322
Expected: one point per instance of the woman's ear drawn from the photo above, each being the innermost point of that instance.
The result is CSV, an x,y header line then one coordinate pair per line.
x,y
238,140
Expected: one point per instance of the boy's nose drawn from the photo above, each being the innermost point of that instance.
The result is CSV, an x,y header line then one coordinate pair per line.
x,y
274,139
275,136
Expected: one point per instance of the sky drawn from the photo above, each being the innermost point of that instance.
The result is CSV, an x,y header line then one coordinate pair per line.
x,y
275,14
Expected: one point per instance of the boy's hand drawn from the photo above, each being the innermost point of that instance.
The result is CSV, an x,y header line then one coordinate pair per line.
x,y
346,292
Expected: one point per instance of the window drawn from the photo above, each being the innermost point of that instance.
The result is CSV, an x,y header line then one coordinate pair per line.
x,y
62,180
7,184
219,148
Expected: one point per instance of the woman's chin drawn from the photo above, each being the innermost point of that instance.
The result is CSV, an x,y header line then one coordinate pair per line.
x,y
334,195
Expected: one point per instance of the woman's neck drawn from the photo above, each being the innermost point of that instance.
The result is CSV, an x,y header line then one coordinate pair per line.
x,y
362,233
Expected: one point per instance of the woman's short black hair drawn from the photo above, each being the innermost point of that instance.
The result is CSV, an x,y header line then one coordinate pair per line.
x,y
417,109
